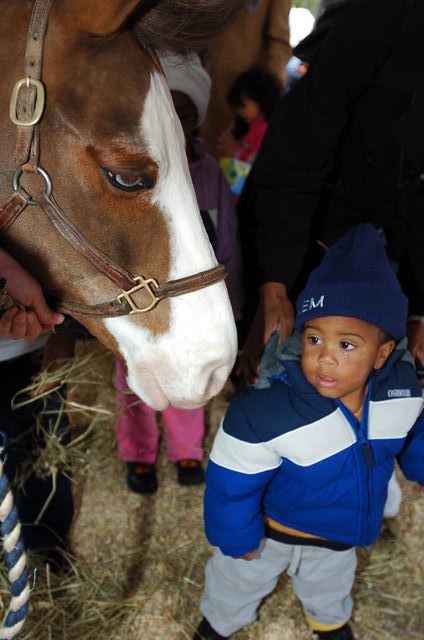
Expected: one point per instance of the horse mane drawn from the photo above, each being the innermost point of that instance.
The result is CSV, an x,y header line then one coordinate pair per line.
x,y
184,25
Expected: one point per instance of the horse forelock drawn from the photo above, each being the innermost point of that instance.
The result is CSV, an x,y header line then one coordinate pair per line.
x,y
184,25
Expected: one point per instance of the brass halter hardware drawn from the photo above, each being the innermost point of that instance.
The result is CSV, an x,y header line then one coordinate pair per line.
x,y
28,97
143,283
39,102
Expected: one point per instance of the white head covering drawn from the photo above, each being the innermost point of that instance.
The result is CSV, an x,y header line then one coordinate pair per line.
x,y
186,74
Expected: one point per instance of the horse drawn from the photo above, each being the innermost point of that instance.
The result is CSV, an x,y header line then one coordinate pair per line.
x,y
96,196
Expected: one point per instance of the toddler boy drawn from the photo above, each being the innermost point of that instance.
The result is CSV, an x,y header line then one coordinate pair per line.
x,y
298,472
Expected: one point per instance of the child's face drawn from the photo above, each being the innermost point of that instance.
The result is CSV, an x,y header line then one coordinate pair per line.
x,y
186,111
338,355
248,109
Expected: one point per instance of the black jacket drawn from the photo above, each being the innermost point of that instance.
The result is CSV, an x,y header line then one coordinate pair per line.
x,y
346,145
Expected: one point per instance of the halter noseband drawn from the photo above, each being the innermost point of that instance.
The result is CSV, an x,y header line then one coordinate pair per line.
x,y
26,110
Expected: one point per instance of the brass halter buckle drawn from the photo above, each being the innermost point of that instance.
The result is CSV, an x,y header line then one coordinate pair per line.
x,y
39,104
143,283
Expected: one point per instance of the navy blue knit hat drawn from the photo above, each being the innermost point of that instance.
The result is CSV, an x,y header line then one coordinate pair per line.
x,y
355,279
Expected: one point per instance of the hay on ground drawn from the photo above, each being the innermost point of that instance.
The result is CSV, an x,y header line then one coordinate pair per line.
x,y
137,562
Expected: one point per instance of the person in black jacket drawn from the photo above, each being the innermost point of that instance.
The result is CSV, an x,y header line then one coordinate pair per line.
x,y
345,146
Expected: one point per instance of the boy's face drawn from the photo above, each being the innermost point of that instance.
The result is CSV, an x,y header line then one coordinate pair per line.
x,y
186,111
338,355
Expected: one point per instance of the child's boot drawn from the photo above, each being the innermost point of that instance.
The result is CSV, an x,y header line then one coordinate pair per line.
x,y
190,472
342,633
205,632
141,477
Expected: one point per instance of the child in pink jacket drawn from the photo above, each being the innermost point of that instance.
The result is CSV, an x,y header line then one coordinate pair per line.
x,y
254,95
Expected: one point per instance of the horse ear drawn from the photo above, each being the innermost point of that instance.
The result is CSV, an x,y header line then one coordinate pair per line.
x,y
102,18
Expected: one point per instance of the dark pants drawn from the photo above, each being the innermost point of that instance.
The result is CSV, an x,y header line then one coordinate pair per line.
x,y
18,426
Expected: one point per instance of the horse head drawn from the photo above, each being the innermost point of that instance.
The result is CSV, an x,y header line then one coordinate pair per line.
x,y
113,149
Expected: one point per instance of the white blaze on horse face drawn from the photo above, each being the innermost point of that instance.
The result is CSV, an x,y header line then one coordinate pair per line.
x,y
189,364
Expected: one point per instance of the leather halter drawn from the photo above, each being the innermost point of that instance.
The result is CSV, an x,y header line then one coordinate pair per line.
x,y
26,109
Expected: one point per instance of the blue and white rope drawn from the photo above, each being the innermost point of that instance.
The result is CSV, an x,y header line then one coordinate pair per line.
x,y
14,550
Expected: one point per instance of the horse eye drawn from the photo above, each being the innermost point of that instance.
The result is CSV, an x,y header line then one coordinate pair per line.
x,y
128,183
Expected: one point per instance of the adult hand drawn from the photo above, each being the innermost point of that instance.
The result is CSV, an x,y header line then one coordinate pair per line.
x,y
415,333
35,317
275,313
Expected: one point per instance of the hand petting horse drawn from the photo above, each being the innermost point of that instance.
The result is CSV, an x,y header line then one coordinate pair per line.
x,y
95,194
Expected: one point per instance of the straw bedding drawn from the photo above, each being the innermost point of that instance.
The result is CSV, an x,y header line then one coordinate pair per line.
x,y
136,563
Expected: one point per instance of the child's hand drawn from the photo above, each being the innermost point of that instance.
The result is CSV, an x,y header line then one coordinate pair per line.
x,y
249,556
227,144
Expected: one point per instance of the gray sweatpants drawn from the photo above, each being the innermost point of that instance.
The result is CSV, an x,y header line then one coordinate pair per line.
x,y
322,580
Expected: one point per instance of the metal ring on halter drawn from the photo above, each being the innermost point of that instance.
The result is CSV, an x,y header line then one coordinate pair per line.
x,y
42,172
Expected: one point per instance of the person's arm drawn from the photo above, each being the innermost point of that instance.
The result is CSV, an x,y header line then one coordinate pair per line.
x,y
297,151
415,332
275,313
228,245
239,469
296,156
414,286
30,316
411,458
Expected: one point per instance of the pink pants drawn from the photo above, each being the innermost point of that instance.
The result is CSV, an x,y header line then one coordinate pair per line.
x,y
137,430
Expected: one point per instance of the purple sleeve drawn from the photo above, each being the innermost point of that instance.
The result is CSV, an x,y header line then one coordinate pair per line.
x,y
213,193
228,246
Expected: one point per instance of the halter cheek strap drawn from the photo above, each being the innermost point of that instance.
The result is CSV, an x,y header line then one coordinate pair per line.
x,y
26,110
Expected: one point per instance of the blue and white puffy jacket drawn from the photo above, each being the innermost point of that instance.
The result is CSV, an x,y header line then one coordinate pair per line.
x,y
305,461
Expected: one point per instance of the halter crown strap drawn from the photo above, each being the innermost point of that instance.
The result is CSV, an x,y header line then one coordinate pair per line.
x,y
27,98
28,93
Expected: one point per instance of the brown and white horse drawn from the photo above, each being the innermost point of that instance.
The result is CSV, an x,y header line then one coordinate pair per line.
x,y
112,147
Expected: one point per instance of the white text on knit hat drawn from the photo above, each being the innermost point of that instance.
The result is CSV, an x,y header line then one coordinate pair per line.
x,y
309,304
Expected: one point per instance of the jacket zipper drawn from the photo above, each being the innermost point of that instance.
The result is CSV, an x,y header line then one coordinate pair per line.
x,y
361,431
